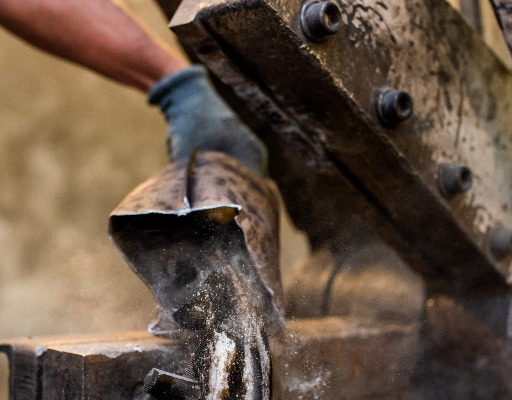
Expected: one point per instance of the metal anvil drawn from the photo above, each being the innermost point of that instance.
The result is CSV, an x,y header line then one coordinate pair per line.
x,y
344,356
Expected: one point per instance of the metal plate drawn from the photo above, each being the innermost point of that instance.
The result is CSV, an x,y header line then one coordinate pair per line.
x,y
343,361
318,101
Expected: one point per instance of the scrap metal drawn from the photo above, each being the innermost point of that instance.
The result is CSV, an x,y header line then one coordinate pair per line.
x,y
203,235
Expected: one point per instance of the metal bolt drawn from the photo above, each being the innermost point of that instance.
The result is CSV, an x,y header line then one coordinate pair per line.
x,y
501,242
393,106
453,179
320,19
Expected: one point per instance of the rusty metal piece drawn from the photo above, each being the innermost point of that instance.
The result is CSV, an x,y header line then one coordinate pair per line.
x,y
320,19
454,179
202,234
393,106
234,356
501,242
163,385
334,158
168,226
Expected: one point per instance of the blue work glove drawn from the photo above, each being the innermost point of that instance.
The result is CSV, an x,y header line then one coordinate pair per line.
x,y
199,117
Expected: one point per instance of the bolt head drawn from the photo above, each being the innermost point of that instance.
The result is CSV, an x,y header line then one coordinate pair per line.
x,y
453,179
394,107
320,19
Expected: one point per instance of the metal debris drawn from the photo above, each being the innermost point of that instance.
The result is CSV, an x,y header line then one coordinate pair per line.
x,y
202,234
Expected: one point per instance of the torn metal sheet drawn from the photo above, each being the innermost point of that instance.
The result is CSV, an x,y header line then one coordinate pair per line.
x,y
95,366
203,235
171,229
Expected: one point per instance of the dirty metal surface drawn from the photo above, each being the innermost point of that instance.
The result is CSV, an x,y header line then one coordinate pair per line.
x,y
342,356
203,235
110,366
318,99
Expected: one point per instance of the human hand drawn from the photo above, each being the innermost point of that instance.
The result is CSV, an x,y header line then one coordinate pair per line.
x,y
199,117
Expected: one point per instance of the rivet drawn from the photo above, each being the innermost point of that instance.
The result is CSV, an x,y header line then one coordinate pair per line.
x,y
453,179
320,19
393,106
501,242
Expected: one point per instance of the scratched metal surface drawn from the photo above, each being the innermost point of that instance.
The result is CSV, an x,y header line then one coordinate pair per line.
x,y
192,218
344,361
503,11
318,100
461,94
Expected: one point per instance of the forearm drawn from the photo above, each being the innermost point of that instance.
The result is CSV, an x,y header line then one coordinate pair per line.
x,y
99,34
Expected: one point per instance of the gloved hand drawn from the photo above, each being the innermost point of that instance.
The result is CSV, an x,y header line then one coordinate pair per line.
x,y
199,117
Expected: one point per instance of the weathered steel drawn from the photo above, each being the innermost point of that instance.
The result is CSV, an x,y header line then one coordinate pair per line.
x,y
110,366
172,228
319,100
163,385
393,107
203,235
324,359
454,179
320,19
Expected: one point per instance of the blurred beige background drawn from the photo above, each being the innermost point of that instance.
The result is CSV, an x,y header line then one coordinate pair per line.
x,y
72,145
